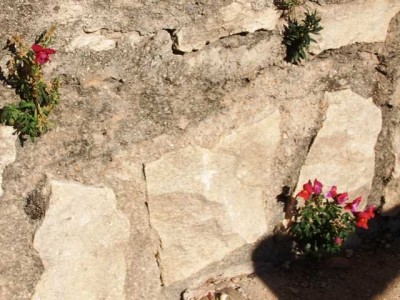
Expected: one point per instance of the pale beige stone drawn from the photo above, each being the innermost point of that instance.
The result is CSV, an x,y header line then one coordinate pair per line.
x,y
81,244
239,16
94,41
343,152
7,150
205,203
360,21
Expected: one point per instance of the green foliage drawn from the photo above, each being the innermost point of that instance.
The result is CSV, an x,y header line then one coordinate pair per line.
x,y
320,224
288,5
297,37
38,96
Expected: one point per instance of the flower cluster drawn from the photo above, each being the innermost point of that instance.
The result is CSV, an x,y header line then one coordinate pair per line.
x,y
341,199
323,221
30,117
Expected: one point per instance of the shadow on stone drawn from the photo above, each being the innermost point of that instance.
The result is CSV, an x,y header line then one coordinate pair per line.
x,y
368,269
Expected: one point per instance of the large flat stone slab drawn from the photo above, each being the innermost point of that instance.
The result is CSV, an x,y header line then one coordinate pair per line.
x,y
237,17
7,150
205,203
360,21
82,243
343,152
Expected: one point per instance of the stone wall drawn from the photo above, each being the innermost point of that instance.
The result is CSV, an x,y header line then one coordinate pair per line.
x,y
180,123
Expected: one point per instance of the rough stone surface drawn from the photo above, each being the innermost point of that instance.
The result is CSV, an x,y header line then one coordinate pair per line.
x,y
197,195
392,192
7,150
144,102
82,244
237,17
343,151
360,21
94,41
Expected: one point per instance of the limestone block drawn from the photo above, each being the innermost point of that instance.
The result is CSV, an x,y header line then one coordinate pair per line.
x,y
205,203
7,150
81,244
343,151
360,21
239,16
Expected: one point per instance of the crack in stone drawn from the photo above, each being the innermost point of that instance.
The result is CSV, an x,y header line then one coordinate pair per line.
x,y
159,246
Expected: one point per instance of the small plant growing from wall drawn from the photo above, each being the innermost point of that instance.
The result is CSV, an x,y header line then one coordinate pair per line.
x,y
288,5
323,223
38,96
296,36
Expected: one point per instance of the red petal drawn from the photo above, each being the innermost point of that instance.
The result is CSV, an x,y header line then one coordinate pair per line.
x,y
370,211
362,223
37,48
49,51
317,187
342,198
304,194
308,187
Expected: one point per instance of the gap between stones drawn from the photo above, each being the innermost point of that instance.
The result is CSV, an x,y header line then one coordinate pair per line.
x,y
159,246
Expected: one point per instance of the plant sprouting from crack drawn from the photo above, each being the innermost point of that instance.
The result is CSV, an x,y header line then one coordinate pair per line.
x,y
38,97
297,37
288,5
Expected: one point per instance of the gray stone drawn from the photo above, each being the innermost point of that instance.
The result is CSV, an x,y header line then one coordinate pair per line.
x,y
82,244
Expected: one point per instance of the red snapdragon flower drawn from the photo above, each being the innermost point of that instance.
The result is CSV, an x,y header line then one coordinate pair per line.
x,y
332,193
309,189
353,206
364,216
370,211
42,54
362,220
306,192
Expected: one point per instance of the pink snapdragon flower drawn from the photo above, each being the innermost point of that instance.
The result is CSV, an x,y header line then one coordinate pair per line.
x,y
332,193
342,198
317,187
338,241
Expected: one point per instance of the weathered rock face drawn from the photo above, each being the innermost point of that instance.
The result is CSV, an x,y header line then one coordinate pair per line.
x,y
187,111
7,150
360,21
343,151
237,17
392,192
198,195
82,244
94,41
